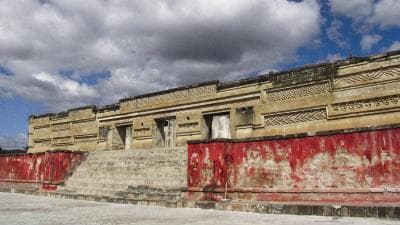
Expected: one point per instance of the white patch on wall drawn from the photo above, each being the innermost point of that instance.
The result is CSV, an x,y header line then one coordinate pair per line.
x,y
128,137
220,127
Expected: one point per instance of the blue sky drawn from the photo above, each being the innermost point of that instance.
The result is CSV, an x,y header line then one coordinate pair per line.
x,y
55,55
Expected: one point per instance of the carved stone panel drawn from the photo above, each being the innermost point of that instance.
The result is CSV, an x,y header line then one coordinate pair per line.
x,y
297,92
368,77
85,139
61,141
41,121
142,132
295,117
365,106
188,127
306,74
42,143
60,126
184,126
173,96
103,133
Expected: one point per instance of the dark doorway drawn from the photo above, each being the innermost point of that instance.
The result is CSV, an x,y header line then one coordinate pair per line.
x,y
165,135
124,137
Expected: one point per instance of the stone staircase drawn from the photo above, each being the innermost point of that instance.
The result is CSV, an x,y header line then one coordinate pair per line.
x,y
146,175
145,195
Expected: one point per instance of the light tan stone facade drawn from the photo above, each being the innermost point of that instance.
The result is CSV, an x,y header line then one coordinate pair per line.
x,y
356,92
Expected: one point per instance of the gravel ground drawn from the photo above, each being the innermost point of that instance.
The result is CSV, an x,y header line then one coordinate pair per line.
x,y
32,210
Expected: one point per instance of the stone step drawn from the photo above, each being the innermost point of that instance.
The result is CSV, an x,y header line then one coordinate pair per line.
x,y
129,172
142,150
97,192
174,174
137,180
147,192
133,183
136,163
88,185
153,166
131,177
149,189
138,153
151,196
102,162
131,160
125,172
125,194
90,191
139,165
163,156
135,201
120,184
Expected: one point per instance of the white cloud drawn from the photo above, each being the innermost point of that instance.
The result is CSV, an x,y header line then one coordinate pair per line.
x,y
331,58
386,13
367,16
335,34
394,46
145,45
369,40
383,13
19,141
57,91
334,57
356,9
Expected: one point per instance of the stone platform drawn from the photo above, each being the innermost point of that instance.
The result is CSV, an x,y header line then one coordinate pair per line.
x,y
157,177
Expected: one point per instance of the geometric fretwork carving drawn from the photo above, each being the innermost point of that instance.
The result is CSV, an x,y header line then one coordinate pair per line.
x,y
176,95
305,74
295,117
103,133
297,92
366,105
359,79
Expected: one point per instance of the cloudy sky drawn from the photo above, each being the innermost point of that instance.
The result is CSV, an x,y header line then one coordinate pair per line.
x,y
66,53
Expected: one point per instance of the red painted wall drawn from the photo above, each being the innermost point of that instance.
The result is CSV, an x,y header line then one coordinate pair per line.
x,y
353,162
50,168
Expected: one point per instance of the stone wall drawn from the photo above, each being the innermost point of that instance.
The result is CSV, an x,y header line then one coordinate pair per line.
x,y
351,93
76,129
46,170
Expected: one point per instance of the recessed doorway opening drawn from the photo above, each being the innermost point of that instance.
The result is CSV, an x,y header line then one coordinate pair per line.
x,y
218,125
165,135
124,137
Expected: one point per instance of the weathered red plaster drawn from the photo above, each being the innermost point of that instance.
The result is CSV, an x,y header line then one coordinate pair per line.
x,y
49,168
363,160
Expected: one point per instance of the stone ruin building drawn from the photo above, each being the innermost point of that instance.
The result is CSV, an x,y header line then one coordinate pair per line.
x,y
357,92
324,134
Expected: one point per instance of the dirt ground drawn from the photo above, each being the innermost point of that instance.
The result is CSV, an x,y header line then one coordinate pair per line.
x,y
24,209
